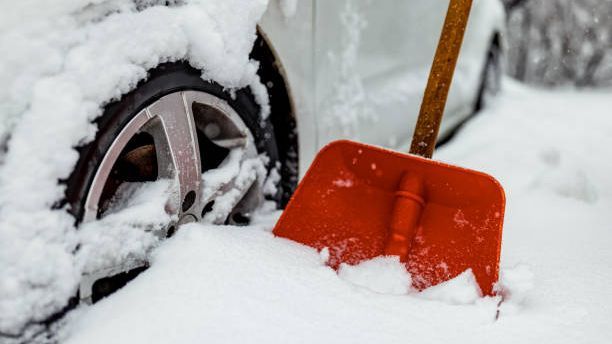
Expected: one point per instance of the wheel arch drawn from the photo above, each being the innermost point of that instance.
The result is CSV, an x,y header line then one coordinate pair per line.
x,y
495,41
495,47
282,111
282,118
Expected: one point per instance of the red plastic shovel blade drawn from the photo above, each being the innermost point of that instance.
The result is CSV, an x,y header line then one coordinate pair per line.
x,y
350,202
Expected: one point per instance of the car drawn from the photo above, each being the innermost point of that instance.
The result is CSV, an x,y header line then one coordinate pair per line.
x,y
324,70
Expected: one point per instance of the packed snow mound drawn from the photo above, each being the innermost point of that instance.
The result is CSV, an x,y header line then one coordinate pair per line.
x,y
461,290
222,284
515,284
67,59
386,275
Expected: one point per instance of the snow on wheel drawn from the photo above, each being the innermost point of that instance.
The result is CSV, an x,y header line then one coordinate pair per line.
x,y
176,128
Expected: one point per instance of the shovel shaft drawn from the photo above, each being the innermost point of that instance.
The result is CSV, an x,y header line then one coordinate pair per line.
x,y
440,78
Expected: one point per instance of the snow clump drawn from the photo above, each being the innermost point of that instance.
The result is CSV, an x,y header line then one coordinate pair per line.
x,y
514,286
461,290
128,234
385,275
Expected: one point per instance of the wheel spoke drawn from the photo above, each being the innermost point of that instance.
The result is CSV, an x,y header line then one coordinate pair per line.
x,y
178,153
250,198
92,202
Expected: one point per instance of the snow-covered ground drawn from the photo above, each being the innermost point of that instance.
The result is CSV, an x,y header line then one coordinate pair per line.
x,y
551,151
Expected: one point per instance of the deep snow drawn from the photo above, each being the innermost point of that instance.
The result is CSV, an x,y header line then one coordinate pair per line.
x,y
549,150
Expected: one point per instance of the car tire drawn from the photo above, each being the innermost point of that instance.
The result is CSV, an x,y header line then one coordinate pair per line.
x,y
490,84
167,81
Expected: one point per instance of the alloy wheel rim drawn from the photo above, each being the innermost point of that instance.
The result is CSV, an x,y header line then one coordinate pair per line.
x,y
186,133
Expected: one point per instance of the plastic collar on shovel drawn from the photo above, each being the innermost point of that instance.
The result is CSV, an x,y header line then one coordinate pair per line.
x,y
361,201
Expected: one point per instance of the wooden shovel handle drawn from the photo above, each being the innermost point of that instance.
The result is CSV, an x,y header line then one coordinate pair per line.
x,y
440,78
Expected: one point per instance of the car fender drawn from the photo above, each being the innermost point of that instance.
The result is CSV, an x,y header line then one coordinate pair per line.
x,y
291,39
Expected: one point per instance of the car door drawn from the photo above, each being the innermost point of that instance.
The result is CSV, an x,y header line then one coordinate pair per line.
x,y
372,58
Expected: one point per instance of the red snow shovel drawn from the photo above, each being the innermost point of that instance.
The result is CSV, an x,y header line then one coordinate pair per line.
x,y
360,201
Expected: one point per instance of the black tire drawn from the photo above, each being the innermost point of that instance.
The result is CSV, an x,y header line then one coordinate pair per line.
x,y
490,84
165,79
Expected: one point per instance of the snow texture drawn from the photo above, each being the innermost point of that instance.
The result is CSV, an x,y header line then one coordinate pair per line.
x,y
461,290
237,173
514,285
384,275
67,59
129,234
222,284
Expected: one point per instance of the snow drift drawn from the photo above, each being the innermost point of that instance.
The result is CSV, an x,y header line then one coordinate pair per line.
x,y
223,284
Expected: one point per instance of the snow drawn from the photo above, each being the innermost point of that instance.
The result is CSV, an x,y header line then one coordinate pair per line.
x,y
384,275
555,253
223,284
514,285
461,290
67,59
235,172
128,234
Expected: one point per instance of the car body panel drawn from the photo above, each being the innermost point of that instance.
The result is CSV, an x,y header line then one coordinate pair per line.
x,y
358,68
292,40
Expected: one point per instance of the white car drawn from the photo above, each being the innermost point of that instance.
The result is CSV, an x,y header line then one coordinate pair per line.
x,y
161,105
